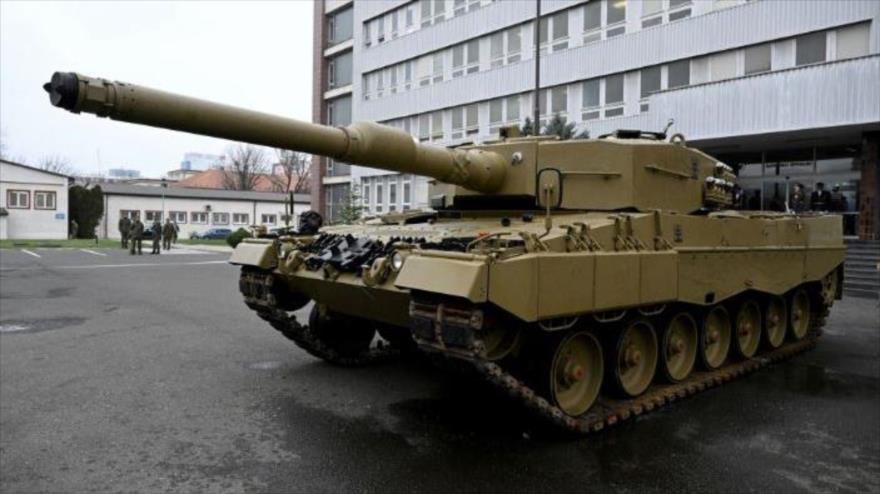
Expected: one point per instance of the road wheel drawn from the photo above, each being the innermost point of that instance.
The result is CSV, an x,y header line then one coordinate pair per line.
x,y
748,329
775,321
678,347
348,336
714,342
799,317
572,371
634,359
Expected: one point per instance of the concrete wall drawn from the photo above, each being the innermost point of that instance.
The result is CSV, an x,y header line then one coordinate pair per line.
x,y
113,204
31,223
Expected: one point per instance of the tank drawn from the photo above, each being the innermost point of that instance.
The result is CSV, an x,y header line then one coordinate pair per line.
x,y
588,280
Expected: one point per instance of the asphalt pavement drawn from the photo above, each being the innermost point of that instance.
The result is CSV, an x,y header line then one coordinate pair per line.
x,y
148,374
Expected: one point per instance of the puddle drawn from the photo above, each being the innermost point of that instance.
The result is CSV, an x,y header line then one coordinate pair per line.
x,y
59,292
270,365
39,325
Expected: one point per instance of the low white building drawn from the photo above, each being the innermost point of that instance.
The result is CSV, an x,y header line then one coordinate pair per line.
x,y
35,202
195,210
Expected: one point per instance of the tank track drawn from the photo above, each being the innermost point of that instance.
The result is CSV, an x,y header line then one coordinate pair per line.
x,y
608,412
256,286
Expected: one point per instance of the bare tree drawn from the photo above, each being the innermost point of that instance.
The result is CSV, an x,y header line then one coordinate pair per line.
x,y
245,164
292,173
56,164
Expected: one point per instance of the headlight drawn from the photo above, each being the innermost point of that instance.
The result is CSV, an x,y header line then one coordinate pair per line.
x,y
396,261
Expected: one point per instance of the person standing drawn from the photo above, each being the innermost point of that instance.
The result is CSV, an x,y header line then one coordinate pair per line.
x,y
136,235
74,227
820,199
157,237
176,231
124,230
167,234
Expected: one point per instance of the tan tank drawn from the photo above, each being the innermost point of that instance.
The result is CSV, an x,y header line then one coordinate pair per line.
x,y
591,280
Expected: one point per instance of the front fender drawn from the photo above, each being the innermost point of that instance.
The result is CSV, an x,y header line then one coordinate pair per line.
x,y
256,252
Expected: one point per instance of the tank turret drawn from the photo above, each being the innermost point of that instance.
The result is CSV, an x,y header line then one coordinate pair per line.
x,y
627,170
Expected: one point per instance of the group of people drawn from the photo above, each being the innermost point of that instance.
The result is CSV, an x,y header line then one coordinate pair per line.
x,y
132,234
798,201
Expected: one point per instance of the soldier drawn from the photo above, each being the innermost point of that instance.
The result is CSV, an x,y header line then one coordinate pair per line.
x,y
157,237
136,235
124,230
167,234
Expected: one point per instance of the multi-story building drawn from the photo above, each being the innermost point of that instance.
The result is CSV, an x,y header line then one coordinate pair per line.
x,y
785,90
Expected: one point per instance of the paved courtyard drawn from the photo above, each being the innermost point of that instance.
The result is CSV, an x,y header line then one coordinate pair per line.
x,y
148,374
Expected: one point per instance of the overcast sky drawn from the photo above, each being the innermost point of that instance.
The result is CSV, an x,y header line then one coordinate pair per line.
x,y
256,55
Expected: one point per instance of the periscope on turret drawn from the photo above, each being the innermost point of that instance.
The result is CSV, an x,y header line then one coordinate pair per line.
x,y
591,280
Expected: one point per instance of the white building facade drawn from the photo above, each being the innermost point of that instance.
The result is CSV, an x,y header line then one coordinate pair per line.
x,y
786,89
195,210
34,201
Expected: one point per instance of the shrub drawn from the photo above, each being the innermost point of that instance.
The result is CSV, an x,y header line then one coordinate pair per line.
x,y
237,236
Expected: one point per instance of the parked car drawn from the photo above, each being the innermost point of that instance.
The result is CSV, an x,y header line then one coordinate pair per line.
x,y
212,234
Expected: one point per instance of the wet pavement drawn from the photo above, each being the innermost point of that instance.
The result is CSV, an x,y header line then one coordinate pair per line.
x,y
148,374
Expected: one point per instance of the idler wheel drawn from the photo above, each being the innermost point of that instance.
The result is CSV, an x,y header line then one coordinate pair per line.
x,y
346,335
747,329
775,321
575,372
714,343
635,358
799,317
829,287
678,347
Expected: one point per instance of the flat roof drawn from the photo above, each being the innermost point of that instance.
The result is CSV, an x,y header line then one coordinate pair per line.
x,y
192,193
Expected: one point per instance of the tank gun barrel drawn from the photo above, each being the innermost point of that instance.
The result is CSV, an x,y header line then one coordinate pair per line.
x,y
361,143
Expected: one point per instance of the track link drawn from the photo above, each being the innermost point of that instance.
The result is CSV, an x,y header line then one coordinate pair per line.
x,y
256,286
606,412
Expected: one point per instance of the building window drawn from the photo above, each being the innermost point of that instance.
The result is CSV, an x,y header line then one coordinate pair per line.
x,y
44,199
367,187
380,197
810,48
496,50
380,30
614,96
679,74
199,218
339,70
438,68
592,21
852,41
18,199
395,24
407,192
679,9
220,218
652,13
615,14
650,84
177,216
757,59
340,26
437,126
433,11
130,214
368,37
514,44
269,219
723,66
591,101
240,218
392,195
424,127
153,216
339,111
